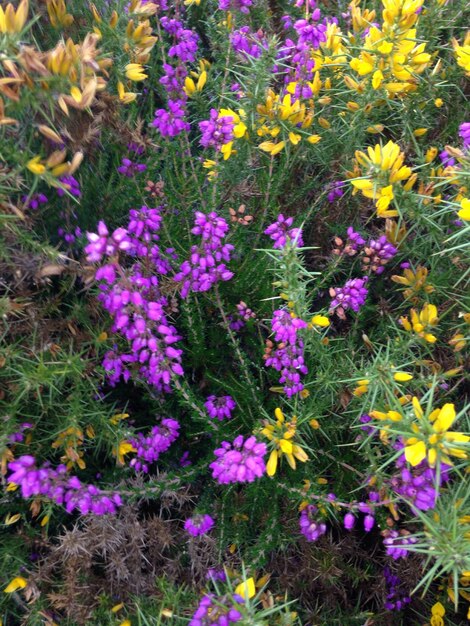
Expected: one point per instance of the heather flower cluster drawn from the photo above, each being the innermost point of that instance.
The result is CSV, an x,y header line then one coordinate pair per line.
x,y
60,487
288,357
419,486
133,298
217,130
241,461
206,265
351,296
281,232
220,407
217,611
396,543
148,448
397,597
199,525
310,526
171,121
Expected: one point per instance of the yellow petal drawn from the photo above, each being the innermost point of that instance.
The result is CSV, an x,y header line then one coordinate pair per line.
x,y
402,377
415,453
17,583
286,446
445,418
320,320
313,139
246,589
272,463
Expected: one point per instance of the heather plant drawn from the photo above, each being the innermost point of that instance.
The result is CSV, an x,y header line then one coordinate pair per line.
x,y
235,315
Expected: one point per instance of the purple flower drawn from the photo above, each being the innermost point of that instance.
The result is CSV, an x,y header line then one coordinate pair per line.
x,y
349,521
351,296
280,232
288,357
185,41
34,201
199,525
377,253
170,122
204,268
311,528
369,521
101,244
335,190
216,574
149,447
217,130
221,407
311,34
446,159
217,611
464,132
248,44
133,299
58,486
71,184
353,242
395,543
130,169
397,598
418,485
239,462
235,5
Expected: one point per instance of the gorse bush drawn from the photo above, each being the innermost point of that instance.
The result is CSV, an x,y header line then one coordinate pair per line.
x,y
235,317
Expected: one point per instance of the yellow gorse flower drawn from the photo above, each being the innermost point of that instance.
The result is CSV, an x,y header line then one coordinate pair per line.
x,y
433,438
420,323
462,53
382,168
437,613
135,72
464,212
17,583
57,12
415,282
391,58
281,434
285,112
12,21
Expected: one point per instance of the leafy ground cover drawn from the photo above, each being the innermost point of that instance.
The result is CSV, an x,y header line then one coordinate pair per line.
x,y
235,319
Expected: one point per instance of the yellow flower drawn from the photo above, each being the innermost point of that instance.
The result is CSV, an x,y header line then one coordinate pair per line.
x,y
382,168
462,53
402,377
135,72
191,87
438,102
419,323
464,212
12,21
437,613
281,434
35,166
419,132
415,281
271,147
123,448
246,589
320,320
362,387
433,436
17,583
58,13
125,96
